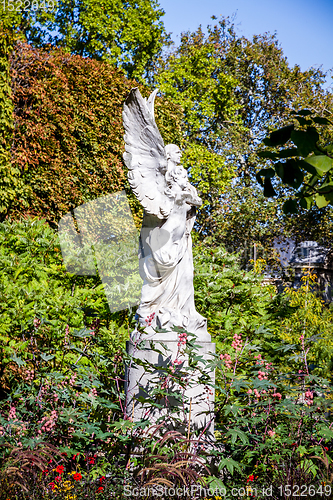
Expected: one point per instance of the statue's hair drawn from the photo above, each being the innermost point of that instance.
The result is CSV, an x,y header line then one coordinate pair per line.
x,y
169,148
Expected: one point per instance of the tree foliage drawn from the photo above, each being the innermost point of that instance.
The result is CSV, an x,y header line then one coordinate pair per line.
x,y
233,300
191,77
36,287
242,89
10,183
129,34
68,137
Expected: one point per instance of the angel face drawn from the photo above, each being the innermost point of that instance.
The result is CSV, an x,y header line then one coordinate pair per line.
x,y
176,156
173,153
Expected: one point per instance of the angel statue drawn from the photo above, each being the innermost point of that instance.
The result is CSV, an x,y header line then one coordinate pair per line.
x,y
161,185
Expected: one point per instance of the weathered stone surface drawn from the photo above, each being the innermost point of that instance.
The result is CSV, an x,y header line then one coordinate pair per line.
x,y
141,383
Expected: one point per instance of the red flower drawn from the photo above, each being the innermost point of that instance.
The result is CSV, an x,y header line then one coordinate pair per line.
x,y
58,478
293,444
101,479
77,476
60,469
325,448
91,461
45,471
251,478
74,456
52,485
64,454
100,489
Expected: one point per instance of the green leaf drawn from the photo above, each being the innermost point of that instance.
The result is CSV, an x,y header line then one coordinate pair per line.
x,y
306,202
268,188
230,464
239,383
321,120
321,163
47,357
321,200
326,189
329,148
305,140
302,121
267,154
308,465
290,207
19,361
302,112
279,137
290,173
288,153
215,484
307,167
326,433
237,433
83,333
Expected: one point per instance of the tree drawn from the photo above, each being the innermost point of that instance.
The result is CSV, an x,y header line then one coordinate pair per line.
x,y
129,34
233,91
68,139
190,76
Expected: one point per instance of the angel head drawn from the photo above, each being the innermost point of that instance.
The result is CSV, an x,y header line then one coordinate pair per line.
x,y
173,153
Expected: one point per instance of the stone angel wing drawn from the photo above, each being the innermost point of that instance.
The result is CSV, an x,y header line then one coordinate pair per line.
x,y
145,155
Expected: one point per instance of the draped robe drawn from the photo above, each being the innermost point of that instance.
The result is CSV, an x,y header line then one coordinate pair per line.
x,y
166,267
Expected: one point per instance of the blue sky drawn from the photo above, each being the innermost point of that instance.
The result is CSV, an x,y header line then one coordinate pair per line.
x,y
304,27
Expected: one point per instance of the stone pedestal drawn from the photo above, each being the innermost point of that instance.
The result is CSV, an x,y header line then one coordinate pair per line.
x,y
197,399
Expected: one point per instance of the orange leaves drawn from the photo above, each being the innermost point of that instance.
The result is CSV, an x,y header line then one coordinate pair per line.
x,y
68,138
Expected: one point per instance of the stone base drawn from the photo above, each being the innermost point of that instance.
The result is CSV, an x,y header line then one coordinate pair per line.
x,y
197,398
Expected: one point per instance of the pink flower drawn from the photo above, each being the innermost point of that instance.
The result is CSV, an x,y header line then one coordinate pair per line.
x,y
36,323
227,360
256,393
182,339
149,319
271,433
237,342
309,397
12,413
